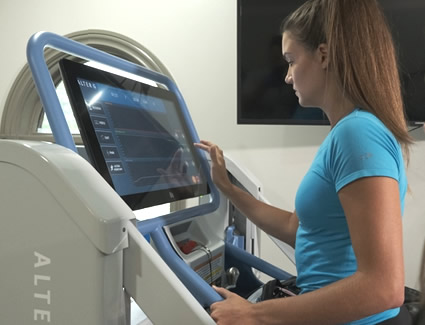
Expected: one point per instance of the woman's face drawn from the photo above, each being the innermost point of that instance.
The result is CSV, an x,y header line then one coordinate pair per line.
x,y
306,72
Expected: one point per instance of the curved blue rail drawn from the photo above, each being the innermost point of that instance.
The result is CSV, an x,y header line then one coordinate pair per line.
x,y
46,89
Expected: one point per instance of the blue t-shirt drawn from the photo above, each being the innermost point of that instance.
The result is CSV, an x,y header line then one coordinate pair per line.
x,y
358,146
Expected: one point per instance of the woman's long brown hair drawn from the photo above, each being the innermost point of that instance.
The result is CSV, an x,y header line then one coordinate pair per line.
x,y
361,55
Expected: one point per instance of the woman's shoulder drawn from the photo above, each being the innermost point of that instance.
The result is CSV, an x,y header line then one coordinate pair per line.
x,y
361,125
362,133
359,119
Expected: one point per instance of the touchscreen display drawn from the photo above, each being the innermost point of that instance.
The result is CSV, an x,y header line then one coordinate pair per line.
x,y
135,135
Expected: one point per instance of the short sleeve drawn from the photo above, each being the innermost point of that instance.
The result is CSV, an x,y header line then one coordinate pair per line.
x,y
363,147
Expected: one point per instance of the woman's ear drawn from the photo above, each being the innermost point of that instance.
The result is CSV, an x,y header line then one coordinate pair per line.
x,y
322,52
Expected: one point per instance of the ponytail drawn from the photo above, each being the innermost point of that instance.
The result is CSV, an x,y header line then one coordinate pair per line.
x,y
361,55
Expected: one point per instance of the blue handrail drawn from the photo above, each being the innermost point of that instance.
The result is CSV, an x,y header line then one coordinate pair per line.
x,y
46,89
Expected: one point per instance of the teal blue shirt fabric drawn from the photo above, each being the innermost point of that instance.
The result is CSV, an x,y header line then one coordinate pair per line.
x,y
358,146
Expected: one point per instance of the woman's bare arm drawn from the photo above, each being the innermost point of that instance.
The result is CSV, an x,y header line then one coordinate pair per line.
x,y
279,223
372,208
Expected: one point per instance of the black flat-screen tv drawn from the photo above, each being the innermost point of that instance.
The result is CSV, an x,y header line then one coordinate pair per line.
x,y
263,97
135,135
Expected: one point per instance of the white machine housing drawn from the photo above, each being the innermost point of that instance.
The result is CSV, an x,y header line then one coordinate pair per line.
x,y
69,247
71,253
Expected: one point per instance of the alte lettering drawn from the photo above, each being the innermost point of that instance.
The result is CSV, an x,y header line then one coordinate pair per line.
x,y
41,282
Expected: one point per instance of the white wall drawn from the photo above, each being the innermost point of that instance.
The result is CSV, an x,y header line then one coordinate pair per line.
x,y
196,40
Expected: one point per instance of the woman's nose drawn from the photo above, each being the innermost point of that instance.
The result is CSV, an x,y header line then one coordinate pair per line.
x,y
288,78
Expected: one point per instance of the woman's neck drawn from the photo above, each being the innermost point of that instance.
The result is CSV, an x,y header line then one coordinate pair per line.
x,y
339,112
336,105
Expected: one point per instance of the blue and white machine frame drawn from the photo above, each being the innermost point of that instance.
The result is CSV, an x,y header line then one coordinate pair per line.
x,y
71,249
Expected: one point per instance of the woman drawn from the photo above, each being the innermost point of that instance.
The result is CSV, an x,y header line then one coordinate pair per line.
x,y
346,227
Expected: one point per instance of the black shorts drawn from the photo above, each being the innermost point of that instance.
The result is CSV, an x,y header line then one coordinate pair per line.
x,y
403,318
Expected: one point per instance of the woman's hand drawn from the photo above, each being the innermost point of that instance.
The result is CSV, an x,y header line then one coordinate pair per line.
x,y
233,310
218,165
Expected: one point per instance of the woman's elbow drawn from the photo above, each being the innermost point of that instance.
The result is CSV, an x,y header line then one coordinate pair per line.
x,y
398,297
392,296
